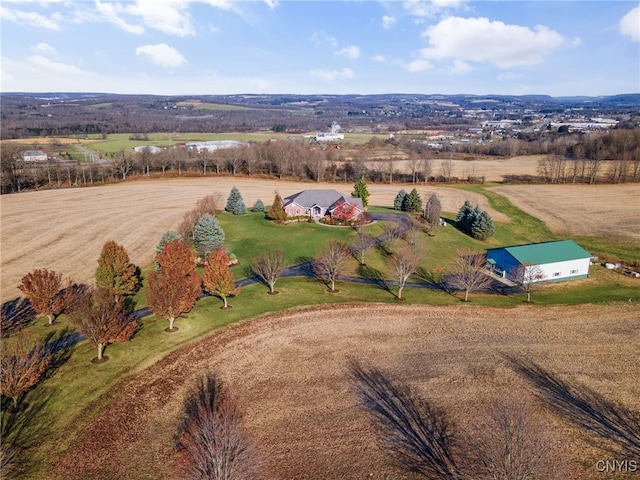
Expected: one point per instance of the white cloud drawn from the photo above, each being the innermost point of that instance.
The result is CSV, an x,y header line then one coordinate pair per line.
x,y
30,18
168,16
44,48
379,58
162,54
483,40
426,8
388,22
49,66
352,52
630,24
331,75
271,3
459,67
321,38
418,65
111,12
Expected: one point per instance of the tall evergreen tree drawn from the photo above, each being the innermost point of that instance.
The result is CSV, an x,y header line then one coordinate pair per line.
x,y
483,227
276,212
360,191
462,218
208,235
234,200
398,202
413,202
433,211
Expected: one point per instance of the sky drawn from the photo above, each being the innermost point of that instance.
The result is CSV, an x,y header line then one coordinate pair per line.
x,y
218,47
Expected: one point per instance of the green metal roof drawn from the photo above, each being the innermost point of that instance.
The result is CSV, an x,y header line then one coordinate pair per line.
x,y
547,252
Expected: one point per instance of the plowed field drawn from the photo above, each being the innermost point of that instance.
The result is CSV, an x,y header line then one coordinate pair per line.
x,y
289,375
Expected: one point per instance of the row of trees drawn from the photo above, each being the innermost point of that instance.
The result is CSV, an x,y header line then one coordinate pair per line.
x,y
609,157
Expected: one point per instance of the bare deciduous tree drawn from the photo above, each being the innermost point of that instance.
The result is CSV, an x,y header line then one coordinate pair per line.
x,y
403,264
269,266
214,443
530,277
363,242
330,262
469,273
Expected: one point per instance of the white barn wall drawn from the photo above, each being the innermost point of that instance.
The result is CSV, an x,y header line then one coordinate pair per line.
x,y
564,268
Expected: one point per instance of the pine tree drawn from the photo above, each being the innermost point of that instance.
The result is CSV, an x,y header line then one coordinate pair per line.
x,y
360,191
258,206
234,200
167,237
240,208
433,210
413,202
115,272
217,278
276,212
483,227
462,218
398,202
208,235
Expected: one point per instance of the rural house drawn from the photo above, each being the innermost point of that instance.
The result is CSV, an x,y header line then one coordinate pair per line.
x,y
557,260
318,203
34,156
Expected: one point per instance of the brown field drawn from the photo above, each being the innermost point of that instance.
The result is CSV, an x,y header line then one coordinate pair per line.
x,y
289,376
580,209
64,230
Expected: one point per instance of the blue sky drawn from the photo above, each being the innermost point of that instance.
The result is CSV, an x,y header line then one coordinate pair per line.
x,y
182,47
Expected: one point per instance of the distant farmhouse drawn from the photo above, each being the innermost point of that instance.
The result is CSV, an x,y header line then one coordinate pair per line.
x,y
318,203
332,136
147,148
558,260
214,145
34,156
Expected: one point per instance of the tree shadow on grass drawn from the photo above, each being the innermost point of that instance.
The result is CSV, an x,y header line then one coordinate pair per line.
x,y
374,277
22,433
59,345
434,280
602,419
15,314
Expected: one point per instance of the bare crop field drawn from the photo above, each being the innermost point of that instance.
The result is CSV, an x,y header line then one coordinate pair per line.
x,y
289,375
64,230
580,209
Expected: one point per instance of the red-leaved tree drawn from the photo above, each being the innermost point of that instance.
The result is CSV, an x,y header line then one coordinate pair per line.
x,y
175,286
217,277
42,288
101,317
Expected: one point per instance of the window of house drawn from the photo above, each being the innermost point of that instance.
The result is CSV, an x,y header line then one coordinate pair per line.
x,y
573,272
556,274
